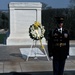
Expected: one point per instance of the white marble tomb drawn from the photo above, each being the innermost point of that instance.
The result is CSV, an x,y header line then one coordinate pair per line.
x,y
22,15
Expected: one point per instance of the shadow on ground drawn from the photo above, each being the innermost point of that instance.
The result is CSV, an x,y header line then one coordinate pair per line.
x,y
37,73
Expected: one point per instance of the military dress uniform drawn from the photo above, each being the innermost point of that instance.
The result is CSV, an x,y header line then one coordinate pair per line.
x,y
58,47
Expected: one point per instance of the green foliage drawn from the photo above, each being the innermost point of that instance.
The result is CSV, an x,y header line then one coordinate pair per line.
x,y
48,20
2,36
4,23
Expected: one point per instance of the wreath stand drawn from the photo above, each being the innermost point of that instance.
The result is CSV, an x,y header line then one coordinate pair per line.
x,y
35,46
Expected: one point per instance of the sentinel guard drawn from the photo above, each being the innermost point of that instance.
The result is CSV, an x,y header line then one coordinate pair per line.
x,y
58,46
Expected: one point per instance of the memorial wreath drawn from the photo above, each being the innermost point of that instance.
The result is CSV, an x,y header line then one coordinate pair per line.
x,y
36,31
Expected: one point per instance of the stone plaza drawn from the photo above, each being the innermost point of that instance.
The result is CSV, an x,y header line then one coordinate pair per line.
x,y
11,60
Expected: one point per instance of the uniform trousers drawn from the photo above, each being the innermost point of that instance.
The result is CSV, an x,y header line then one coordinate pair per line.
x,y
58,66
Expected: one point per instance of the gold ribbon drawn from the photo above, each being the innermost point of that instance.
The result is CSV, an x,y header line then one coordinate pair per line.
x,y
40,40
42,46
37,24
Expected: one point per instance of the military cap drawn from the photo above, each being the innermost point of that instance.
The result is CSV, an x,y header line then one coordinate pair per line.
x,y
59,19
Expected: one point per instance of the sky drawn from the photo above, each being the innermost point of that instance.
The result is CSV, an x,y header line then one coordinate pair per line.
x,y
52,3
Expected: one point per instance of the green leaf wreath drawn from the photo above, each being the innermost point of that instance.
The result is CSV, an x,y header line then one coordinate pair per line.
x,y
36,31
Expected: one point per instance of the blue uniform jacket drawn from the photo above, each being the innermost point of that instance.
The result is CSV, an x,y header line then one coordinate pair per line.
x,y
58,44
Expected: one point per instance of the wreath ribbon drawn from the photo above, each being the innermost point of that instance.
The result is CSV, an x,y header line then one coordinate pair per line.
x,y
42,46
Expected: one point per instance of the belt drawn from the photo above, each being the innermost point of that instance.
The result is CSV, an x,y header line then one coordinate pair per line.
x,y
60,44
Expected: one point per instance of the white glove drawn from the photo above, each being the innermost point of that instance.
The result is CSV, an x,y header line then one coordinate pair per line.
x,y
68,56
51,57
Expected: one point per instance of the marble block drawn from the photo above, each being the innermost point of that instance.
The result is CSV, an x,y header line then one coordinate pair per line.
x,y
72,51
22,15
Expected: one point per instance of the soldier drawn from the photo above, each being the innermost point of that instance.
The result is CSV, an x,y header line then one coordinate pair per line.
x,y
58,46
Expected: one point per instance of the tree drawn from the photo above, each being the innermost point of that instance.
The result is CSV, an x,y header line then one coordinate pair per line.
x,y
72,4
4,21
49,7
44,5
